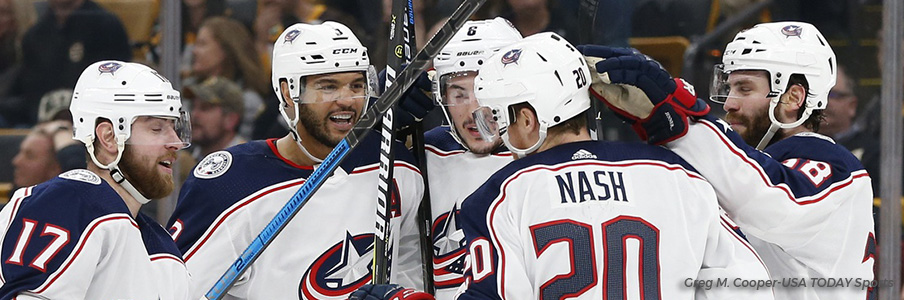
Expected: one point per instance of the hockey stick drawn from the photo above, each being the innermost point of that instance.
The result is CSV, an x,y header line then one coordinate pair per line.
x,y
587,22
405,79
399,53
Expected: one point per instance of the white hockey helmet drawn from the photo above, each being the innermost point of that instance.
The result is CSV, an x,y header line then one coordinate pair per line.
x,y
469,48
543,70
781,49
121,92
306,49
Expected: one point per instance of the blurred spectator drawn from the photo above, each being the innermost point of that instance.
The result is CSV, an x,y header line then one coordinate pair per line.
x,y
224,48
533,16
839,124
217,109
55,119
216,113
55,106
274,16
68,37
36,161
16,16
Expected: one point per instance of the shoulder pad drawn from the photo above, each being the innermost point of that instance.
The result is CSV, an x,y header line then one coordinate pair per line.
x,y
82,175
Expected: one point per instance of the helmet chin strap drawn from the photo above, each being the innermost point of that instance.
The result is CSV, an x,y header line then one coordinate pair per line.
x,y
776,124
528,150
117,174
303,149
293,125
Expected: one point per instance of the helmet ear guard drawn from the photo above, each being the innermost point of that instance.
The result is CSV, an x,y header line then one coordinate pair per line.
x,y
543,70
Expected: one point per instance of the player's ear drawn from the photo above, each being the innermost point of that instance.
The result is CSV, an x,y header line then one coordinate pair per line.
x,y
105,137
528,118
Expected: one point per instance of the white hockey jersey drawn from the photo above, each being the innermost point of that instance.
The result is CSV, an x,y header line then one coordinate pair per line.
x,y
454,174
602,220
805,204
73,237
325,252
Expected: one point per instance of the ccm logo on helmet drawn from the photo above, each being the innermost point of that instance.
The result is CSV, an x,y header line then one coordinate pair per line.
x,y
345,51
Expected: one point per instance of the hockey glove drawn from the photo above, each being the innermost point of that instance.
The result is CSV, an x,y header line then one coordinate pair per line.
x,y
642,93
415,102
388,292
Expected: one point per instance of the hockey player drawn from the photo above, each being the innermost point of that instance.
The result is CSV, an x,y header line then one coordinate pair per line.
x,y
80,235
576,218
323,77
458,158
804,201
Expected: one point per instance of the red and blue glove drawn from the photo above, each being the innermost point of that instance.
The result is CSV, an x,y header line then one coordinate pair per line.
x,y
642,93
388,292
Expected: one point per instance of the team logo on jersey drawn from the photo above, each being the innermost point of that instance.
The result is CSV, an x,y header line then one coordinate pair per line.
x,y
109,67
582,154
291,35
82,175
448,250
792,30
214,165
511,56
340,270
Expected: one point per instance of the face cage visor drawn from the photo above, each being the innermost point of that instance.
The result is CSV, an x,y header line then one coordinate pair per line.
x,y
488,123
329,89
722,88
161,130
457,88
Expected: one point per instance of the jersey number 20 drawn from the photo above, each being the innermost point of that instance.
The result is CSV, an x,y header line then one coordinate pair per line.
x,y
582,246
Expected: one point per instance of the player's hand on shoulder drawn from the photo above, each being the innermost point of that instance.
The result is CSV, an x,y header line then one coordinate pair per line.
x,y
642,93
388,292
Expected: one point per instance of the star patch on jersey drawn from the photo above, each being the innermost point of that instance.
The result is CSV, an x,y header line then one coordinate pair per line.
x,y
82,175
214,165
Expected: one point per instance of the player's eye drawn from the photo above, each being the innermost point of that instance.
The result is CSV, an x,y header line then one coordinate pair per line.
x,y
326,87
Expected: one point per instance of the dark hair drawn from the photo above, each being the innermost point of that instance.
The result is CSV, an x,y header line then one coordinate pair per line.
x,y
575,124
816,116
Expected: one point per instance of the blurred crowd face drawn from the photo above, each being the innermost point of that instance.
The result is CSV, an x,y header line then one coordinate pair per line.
x,y
210,123
36,161
842,107
7,19
208,54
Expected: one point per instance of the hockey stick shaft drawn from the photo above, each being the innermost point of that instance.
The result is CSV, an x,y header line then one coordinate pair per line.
x,y
587,22
405,79
425,213
399,39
